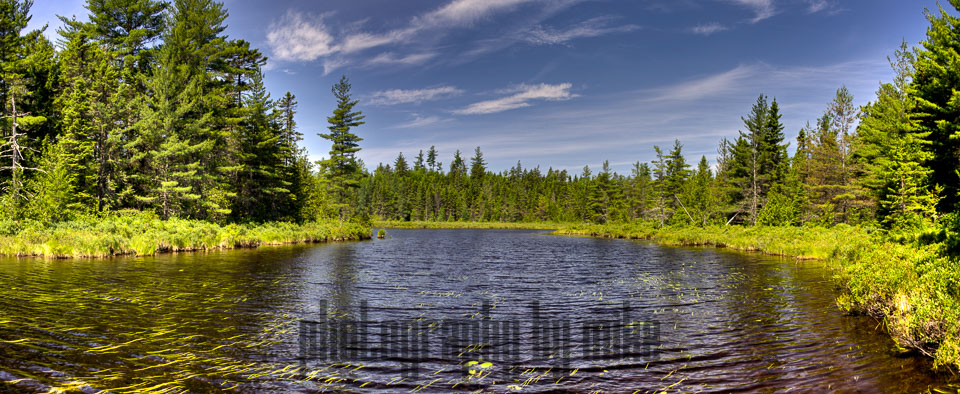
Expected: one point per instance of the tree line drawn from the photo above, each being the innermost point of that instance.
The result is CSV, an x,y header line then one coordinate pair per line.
x,y
895,161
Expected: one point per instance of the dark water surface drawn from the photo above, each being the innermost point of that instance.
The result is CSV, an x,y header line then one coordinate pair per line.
x,y
491,310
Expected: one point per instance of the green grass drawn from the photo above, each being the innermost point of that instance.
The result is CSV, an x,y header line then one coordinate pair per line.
x,y
479,225
798,242
911,287
143,234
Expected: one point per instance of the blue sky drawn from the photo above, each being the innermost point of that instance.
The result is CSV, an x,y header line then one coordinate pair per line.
x,y
563,83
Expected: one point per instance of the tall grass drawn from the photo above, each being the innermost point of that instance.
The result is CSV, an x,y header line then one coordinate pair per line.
x,y
911,287
144,234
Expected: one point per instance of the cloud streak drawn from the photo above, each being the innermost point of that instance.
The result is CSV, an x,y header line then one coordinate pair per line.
x,y
763,9
413,96
595,27
525,94
709,28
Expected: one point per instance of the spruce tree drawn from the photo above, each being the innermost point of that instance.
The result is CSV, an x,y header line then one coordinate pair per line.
x,y
478,166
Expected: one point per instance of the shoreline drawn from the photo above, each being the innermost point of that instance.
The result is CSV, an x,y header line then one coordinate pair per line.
x,y
145,236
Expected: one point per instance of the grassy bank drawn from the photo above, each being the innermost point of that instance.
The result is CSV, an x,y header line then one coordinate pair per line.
x,y
146,235
797,242
911,286
481,225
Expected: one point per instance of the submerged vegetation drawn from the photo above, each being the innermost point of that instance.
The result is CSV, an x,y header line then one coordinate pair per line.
x,y
145,234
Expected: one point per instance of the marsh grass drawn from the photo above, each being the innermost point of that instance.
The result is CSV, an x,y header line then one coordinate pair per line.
x,y
144,234
471,225
911,287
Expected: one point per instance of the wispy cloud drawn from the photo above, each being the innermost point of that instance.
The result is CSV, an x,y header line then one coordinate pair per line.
x,y
298,37
589,28
708,28
464,12
387,58
829,6
525,94
762,9
713,85
415,96
421,121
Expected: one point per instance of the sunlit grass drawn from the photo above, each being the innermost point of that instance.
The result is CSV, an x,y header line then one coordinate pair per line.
x,y
143,234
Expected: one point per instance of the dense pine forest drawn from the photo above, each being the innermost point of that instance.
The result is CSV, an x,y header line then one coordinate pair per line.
x,y
152,108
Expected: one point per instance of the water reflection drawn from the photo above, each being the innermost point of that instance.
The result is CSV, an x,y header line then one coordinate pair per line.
x,y
232,319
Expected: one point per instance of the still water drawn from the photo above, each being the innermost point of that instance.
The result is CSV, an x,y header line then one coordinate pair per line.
x,y
439,311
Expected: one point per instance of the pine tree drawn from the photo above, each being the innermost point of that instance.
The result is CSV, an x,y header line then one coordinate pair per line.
x,y
53,190
167,159
936,89
128,27
660,168
893,151
342,164
824,178
432,163
419,164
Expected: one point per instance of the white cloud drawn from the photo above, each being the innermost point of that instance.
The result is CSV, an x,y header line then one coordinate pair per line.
x,y
391,58
526,93
400,96
709,28
762,9
460,13
590,28
298,36
829,6
302,37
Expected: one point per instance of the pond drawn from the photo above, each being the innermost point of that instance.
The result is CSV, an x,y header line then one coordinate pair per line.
x,y
441,310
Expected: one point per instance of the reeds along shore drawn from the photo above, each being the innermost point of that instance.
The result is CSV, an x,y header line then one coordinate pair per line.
x,y
147,235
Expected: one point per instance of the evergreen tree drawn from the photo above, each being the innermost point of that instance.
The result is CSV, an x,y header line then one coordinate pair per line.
x,y
400,165
478,166
167,159
432,163
660,168
893,150
936,90
419,164
342,164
